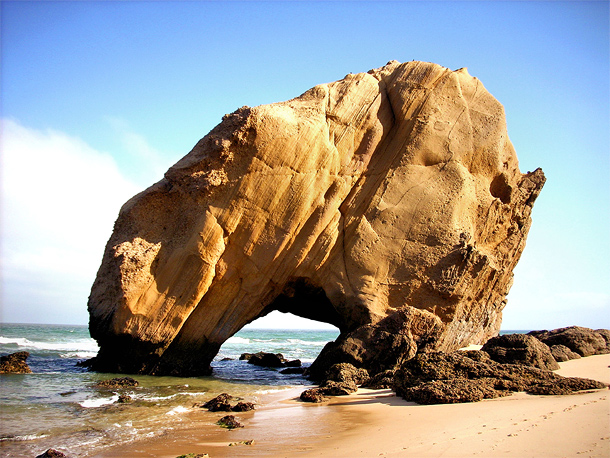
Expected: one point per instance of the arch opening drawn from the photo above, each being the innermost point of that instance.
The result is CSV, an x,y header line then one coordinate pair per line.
x,y
297,324
303,298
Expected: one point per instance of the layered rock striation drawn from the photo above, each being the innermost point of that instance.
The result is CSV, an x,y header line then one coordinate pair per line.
x,y
393,193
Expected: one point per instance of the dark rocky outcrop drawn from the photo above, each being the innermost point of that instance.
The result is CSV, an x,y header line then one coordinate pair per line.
x,y
124,399
381,346
293,371
243,407
229,422
584,341
520,349
466,376
269,360
392,187
315,395
219,404
119,382
52,453
15,363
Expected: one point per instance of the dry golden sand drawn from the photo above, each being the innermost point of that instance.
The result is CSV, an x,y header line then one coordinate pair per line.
x,y
379,424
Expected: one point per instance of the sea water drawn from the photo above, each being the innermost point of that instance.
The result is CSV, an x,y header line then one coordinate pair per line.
x,y
58,406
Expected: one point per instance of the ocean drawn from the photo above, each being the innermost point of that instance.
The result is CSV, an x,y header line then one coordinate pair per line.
x,y
58,406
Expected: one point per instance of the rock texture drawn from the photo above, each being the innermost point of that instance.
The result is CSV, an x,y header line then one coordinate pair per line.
x,y
468,376
15,363
520,349
388,189
582,341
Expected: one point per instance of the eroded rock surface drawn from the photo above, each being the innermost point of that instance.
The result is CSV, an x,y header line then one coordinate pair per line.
x,y
392,191
580,340
520,349
15,363
468,376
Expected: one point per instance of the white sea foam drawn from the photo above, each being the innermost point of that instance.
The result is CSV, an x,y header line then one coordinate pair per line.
x,y
146,397
78,354
305,342
78,345
237,340
27,437
176,410
99,402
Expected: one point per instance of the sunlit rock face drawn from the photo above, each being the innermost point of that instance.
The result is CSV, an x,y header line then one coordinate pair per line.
x,y
388,189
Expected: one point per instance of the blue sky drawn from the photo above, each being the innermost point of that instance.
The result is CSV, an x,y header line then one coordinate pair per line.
x,y
100,98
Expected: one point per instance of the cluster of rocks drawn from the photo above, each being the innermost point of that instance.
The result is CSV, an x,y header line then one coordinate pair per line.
x,y
574,342
505,364
221,404
15,363
341,379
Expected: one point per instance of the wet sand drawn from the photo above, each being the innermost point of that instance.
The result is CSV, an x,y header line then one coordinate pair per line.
x,y
377,423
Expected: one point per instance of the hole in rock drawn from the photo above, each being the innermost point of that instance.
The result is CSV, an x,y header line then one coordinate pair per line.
x,y
296,338
500,188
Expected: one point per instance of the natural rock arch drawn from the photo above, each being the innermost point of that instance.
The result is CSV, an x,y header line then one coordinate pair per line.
x,y
389,199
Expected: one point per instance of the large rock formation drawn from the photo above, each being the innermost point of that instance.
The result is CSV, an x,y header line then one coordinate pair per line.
x,y
388,189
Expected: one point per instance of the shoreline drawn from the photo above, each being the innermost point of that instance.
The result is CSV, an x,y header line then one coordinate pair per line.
x,y
371,423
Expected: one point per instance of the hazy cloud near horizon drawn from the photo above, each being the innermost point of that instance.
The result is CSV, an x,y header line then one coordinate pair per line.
x,y
60,198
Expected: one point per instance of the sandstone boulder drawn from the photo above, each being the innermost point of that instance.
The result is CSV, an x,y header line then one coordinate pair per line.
x,y
15,363
388,189
520,349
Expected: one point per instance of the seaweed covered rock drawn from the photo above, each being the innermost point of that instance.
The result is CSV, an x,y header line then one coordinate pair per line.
x,y
520,349
15,363
466,376
229,422
118,382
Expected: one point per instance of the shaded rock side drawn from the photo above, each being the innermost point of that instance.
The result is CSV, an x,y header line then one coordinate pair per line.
x,y
392,188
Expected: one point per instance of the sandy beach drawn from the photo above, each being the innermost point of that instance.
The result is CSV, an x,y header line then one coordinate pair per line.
x,y
377,423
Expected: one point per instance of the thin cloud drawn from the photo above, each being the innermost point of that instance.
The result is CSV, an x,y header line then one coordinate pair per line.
x,y
60,198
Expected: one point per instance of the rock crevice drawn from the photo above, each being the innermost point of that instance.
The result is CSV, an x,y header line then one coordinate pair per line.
x,y
384,190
